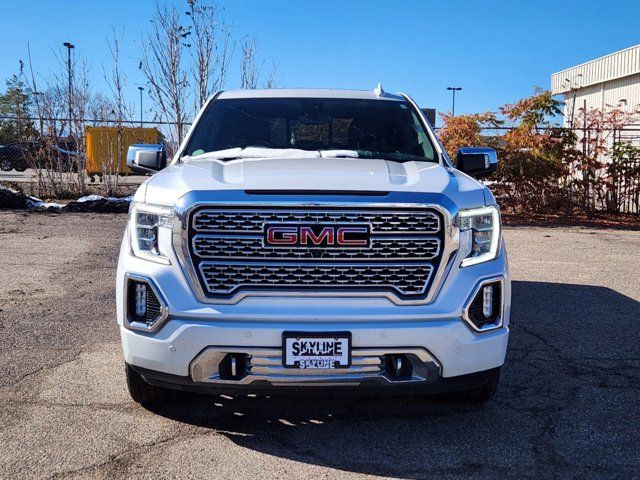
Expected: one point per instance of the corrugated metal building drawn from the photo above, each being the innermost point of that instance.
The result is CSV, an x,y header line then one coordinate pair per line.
x,y
604,83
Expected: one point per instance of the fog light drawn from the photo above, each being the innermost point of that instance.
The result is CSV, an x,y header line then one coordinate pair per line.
x,y
145,310
233,366
487,301
485,309
141,299
398,367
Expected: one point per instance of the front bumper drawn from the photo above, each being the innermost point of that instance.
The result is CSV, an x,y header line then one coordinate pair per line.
x,y
445,348
435,386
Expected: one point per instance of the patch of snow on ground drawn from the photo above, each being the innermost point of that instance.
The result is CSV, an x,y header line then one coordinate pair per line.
x,y
38,203
34,202
95,198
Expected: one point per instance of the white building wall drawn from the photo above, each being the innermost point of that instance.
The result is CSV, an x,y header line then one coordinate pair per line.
x,y
610,67
601,84
627,88
612,81
591,96
622,92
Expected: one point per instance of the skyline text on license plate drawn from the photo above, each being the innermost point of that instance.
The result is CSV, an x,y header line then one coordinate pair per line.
x,y
316,351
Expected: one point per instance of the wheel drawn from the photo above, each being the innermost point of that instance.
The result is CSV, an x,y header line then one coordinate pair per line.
x,y
20,165
142,392
6,165
481,394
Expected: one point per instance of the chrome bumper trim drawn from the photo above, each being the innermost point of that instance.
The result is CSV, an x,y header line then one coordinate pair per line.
x,y
265,365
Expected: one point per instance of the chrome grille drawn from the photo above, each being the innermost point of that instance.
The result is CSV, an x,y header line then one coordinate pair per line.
x,y
220,221
228,252
217,246
224,278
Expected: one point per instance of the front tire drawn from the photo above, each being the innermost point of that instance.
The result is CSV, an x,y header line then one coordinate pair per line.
x,y
20,165
142,392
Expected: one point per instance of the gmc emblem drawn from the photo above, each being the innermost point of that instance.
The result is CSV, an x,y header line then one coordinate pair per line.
x,y
317,235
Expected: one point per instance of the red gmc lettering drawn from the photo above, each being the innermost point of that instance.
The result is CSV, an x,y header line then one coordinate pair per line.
x,y
344,231
329,236
282,235
326,235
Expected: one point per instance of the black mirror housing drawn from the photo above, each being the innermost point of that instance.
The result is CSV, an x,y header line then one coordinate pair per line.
x,y
146,157
477,162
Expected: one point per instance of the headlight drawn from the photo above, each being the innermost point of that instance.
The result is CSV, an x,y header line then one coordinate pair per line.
x,y
484,224
148,224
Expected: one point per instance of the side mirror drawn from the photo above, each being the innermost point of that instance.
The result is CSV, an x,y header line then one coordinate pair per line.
x,y
477,161
146,158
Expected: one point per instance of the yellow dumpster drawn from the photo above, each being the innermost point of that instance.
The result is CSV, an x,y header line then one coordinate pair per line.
x,y
107,147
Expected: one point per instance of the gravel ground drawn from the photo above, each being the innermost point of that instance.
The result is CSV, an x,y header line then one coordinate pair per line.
x,y
567,407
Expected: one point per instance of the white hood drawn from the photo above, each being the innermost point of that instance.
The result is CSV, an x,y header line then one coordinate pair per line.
x,y
331,174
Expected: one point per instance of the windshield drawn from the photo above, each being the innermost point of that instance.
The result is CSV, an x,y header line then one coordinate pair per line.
x,y
387,129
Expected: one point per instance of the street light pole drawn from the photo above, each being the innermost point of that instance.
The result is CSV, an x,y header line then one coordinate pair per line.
x,y
141,90
69,46
453,92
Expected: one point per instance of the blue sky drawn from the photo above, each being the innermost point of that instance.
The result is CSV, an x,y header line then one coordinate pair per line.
x,y
496,50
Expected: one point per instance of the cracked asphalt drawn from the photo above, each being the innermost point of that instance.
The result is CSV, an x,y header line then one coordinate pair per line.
x,y
568,404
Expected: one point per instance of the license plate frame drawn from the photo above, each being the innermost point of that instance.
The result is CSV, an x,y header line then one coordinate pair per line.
x,y
292,361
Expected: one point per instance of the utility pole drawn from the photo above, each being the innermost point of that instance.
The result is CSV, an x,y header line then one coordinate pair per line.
x,y
69,46
453,92
141,90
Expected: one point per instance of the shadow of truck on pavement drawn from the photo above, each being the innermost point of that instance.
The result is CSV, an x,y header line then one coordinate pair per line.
x,y
567,404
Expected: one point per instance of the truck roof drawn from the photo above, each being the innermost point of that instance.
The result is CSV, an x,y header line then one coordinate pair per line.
x,y
310,93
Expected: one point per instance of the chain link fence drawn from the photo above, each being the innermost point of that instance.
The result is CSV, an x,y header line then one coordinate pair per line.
x,y
604,166
58,158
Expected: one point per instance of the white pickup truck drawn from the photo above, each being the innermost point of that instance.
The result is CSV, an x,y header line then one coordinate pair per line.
x,y
312,240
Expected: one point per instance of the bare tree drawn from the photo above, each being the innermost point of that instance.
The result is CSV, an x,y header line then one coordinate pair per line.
x,y
38,101
212,49
116,79
52,106
163,65
249,71
81,101
251,66
32,83
113,151
102,110
272,77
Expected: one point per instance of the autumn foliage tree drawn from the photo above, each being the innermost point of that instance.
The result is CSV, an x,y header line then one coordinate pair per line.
x,y
531,152
466,131
545,168
535,155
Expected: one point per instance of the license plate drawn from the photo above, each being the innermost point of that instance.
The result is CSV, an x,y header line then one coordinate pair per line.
x,y
306,350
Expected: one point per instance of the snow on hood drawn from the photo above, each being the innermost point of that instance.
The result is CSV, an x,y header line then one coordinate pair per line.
x,y
311,173
264,152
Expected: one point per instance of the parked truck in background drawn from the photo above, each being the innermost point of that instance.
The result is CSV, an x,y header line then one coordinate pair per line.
x,y
312,240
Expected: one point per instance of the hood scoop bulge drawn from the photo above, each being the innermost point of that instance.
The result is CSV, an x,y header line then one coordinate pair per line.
x,y
316,174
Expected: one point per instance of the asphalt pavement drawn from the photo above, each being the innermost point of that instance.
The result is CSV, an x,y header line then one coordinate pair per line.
x,y
568,404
